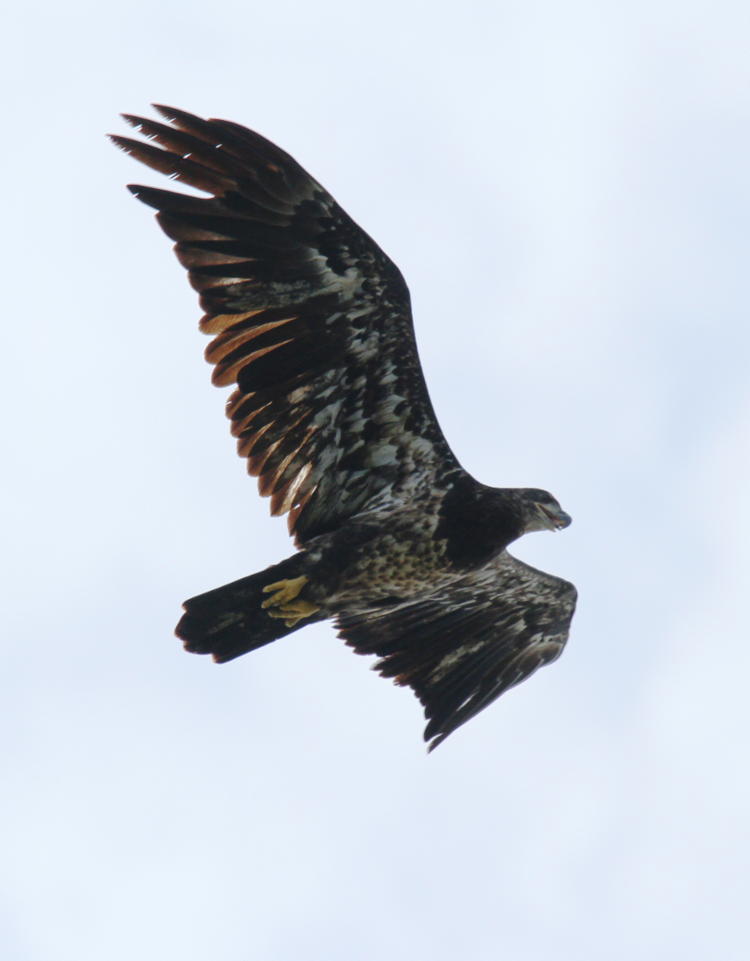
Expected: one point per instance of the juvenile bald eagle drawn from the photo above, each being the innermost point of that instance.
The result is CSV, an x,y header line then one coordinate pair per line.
x,y
397,543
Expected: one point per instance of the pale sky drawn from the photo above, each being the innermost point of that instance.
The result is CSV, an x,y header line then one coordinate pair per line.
x,y
565,188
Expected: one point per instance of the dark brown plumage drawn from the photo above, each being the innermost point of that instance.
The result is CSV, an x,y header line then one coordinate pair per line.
x,y
311,323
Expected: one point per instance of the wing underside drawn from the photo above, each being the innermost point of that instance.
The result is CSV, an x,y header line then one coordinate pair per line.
x,y
463,646
310,321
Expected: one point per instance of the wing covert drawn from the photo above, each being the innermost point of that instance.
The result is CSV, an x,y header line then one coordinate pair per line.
x,y
310,320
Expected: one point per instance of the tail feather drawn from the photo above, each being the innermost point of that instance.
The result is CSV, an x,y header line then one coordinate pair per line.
x,y
229,621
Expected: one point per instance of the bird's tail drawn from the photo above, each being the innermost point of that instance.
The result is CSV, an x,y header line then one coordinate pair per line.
x,y
234,619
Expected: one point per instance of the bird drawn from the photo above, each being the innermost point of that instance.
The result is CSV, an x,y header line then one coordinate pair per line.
x,y
394,541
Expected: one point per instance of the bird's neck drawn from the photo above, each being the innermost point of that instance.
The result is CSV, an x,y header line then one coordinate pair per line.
x,y
478,522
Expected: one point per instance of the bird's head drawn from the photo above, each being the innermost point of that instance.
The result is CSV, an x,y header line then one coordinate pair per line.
x,y
541,512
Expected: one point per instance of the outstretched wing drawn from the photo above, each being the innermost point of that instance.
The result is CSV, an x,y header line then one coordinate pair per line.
x,y
312,323
464,645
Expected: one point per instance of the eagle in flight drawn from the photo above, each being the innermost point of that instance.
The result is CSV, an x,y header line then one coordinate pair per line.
x,y
312,326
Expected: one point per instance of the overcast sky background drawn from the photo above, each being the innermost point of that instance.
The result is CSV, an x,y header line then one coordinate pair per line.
x,y
565,188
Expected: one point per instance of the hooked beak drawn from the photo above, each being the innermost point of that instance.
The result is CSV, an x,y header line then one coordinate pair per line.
x,y
556,518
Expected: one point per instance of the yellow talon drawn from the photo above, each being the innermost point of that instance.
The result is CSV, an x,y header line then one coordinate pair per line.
x,y
285,602
284,591
296,618
298,608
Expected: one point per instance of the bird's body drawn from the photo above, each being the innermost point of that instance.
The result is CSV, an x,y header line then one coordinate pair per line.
x,y
396,553
397,543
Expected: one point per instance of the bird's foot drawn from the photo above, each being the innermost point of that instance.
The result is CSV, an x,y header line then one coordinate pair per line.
x,y
283,591
294,612
285,602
